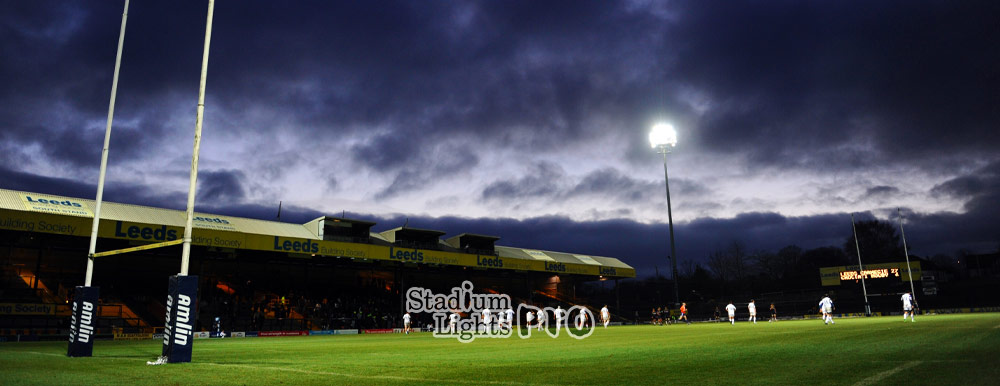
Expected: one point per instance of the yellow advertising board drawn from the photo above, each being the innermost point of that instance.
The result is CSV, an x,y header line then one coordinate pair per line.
x,y
27,309
118,335
58,223
47,204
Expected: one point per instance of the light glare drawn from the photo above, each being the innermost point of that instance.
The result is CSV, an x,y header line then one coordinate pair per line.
x,y
662,134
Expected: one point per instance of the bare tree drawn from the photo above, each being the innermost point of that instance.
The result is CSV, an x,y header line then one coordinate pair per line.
x,y
737,254
878,240
687,267
768,263
790,256
719,264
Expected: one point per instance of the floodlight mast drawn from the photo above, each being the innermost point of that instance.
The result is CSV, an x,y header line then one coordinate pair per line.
x,y
186,251
861,268
663,137
104,154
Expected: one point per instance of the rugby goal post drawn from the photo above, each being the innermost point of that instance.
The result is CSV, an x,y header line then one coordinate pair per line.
x,y
85,298
138,248
182,291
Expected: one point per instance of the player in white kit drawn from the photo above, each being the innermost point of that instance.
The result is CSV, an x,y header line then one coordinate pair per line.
x,y
581,320
753,312
908,306
826,304
487,319
530,317
560,314
509,317
453,323
406,323
541,318
731,309
605,316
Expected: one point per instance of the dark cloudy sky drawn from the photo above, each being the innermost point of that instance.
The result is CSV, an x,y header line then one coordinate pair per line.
x,y
526,119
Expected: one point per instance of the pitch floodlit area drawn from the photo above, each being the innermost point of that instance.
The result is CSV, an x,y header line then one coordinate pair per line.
x,y
938,350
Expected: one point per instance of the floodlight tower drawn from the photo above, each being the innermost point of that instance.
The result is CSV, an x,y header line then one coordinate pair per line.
x,y
663,137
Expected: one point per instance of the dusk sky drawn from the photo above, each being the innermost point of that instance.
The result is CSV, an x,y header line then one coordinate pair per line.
x,y
527,120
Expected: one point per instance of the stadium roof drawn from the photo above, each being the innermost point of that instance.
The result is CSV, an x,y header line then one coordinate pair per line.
x,y
35,212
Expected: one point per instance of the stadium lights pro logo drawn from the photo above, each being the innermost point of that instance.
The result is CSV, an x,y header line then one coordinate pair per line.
x,y
446,310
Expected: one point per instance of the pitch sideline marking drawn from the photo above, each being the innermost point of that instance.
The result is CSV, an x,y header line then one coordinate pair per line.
x,y
930,361
880,376
69,357
45,353
390,377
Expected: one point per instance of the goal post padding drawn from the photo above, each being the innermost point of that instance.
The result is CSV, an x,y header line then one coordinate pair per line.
x,y
182,314
83,321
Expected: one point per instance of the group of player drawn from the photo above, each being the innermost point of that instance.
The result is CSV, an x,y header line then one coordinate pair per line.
x,y
752,308
505,318
660,316
582,319
909,305
825,306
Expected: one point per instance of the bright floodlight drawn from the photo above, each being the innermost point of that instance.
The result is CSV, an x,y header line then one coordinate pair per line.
x,y
663,134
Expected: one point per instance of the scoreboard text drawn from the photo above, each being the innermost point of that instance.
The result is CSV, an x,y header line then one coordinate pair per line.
x,y
869,274
884,271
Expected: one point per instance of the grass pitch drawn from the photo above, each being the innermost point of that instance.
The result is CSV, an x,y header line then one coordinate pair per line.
x,y
938,350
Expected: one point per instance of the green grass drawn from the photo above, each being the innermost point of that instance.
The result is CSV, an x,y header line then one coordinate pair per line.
x,y
938,350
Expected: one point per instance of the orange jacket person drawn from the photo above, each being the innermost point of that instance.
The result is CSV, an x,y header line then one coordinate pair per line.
x,y
684,313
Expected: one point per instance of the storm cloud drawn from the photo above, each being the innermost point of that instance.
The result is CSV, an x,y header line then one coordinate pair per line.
x,y
526,119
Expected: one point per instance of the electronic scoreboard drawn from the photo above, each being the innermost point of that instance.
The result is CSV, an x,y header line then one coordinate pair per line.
x,y
882,272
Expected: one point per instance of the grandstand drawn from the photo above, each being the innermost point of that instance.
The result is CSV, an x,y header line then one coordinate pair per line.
x,y
328,273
